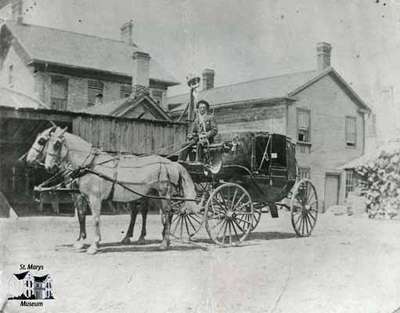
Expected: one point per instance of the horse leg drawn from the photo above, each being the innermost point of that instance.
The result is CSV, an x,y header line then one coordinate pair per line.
x,y
129,233
143,210
80,206
95,205
166,204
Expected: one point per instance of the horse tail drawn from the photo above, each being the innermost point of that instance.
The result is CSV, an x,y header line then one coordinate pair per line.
x,y
187,186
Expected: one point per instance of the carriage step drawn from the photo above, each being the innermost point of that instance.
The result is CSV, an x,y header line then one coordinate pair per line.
x,y
274,211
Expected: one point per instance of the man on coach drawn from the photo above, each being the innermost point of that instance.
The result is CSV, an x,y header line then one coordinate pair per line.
x,y
204,129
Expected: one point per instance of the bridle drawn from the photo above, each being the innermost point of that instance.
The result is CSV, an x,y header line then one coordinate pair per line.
x,y
39,150
56,156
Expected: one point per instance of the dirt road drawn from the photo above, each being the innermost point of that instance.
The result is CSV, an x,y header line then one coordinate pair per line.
x,y
350,264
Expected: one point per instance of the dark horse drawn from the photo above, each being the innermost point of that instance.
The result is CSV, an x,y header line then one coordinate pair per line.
x,y
36,155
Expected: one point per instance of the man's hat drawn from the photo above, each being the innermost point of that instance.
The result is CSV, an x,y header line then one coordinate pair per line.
x,y
203,102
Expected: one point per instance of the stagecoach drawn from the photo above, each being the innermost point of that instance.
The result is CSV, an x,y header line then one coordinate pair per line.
x,y
243,176
235,181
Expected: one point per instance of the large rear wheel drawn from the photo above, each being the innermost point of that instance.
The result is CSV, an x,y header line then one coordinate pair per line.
x,y
304,208
229,214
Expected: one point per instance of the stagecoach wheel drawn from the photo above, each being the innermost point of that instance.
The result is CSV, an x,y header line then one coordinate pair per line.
x,y
229,214
257,218
185,224
304,208
203,189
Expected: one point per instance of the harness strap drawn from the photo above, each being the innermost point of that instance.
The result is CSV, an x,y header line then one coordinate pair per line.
x,y
115,177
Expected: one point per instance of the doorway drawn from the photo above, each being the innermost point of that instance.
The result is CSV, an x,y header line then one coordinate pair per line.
x,y
332,185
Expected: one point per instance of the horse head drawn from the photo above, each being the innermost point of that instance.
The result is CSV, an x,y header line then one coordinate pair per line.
x,y
56,150
37,152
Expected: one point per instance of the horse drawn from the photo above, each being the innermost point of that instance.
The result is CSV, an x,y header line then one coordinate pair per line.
x,y
107,177
36,156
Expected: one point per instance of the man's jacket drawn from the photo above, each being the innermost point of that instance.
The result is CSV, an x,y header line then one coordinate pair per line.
x,y
208,126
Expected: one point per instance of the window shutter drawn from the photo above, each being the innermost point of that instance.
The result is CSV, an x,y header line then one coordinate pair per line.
x,y
95,87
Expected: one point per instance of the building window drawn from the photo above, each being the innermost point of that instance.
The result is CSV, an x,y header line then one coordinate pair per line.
x,y
11,75
351,131
125,91
95,88
157,95
303,172
303,125
27,284
59,92
351,181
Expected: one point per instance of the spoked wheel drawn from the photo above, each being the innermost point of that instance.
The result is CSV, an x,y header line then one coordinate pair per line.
x,y
257,217
229,214
185,224
304,208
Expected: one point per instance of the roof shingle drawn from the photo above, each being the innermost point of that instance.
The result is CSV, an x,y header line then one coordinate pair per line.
x,y
45,44
264,88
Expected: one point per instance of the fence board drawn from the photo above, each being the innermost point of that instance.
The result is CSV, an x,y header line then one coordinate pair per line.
x,y
130,135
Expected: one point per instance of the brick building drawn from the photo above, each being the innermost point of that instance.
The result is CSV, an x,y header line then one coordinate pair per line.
x,y
73,71
317,108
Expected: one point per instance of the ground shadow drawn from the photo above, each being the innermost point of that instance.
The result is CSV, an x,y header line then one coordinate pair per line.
x,y
152,245
148,246
269,236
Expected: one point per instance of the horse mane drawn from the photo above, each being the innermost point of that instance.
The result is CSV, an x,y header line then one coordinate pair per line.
x,y
77,143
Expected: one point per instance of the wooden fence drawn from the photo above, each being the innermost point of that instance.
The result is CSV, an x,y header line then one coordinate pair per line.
x,y
130,135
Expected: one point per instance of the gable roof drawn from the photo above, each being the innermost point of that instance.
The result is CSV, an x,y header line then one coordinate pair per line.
x,y
21,275
40,279
60,47
16,99
282,86
122,106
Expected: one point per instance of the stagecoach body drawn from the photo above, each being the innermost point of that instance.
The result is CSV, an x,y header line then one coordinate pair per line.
x,y
243,176
263,163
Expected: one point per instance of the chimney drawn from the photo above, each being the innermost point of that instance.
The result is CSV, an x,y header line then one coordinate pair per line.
x,y
141,72
323,55
208,78
16,11
127,32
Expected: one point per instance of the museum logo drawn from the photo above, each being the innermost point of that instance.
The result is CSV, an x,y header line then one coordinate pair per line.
x,y
31,289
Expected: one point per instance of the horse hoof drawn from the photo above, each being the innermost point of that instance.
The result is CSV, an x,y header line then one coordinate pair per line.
x,y
79,245
126,241
163,246
141,241
92,250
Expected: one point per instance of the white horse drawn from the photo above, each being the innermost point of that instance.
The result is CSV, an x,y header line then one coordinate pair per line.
x,y
36,156
145,175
